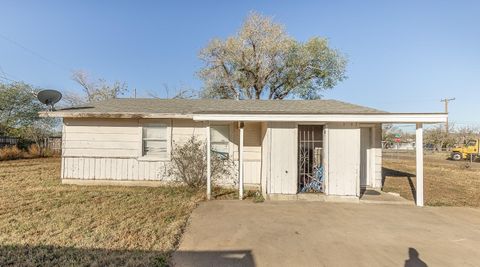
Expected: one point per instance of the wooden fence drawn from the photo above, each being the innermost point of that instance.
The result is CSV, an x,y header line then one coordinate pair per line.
x,y
8,141
54,144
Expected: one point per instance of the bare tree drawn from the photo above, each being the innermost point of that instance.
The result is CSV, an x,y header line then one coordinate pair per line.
x,y
438,137
94,89
182,92
262,61
465,133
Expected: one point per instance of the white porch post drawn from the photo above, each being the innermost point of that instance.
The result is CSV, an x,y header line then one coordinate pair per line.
x,y
209,170
240,163
419,162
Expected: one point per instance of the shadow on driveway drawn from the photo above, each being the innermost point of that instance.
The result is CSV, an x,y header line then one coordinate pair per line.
x,y
47,255
214,258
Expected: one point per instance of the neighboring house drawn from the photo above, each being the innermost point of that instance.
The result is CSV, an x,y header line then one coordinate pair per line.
x,y
279,144
403,145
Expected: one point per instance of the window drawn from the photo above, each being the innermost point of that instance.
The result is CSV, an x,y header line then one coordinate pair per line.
x,y
220,140
155,141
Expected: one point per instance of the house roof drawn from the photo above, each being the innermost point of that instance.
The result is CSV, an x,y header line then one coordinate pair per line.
x,y
218,106
239,110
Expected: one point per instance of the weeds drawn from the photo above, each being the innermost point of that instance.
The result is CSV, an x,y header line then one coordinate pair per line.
x,y
10,153
33,151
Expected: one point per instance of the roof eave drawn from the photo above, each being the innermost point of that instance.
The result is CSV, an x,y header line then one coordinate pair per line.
x,y
347,117
113,115
364,118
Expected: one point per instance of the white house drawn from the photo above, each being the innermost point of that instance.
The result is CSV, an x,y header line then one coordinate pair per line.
x,y
278,145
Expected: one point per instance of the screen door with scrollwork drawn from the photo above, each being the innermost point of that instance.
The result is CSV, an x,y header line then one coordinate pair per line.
x,y
310,146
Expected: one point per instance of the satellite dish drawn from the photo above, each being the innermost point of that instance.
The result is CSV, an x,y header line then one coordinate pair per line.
x,y
49,97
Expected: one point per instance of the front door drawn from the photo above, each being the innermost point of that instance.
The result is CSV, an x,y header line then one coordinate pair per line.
x,y
283,157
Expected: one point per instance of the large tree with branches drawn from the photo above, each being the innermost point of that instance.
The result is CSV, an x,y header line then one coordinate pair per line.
x,y
263,61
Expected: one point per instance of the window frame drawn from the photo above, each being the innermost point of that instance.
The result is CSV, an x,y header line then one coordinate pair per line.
x,y
229,141
155,123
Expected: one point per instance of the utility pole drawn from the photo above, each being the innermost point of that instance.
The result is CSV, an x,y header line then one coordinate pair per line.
x,y
446,100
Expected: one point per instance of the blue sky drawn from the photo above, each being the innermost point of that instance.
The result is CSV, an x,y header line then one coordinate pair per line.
x,y
403,56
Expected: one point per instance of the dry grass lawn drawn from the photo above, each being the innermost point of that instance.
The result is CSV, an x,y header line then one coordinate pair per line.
x,y
45,223
446,182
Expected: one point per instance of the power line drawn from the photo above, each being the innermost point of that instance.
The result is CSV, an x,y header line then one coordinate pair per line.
x,y
35,53
4,75
3,72
7,79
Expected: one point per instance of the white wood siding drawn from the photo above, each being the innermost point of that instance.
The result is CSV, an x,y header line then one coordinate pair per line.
x,y
114,169
282,158
373,154
366,160
265,170
252,172
105,138
343,159
182,130
111,149
252,143
252,147
377,151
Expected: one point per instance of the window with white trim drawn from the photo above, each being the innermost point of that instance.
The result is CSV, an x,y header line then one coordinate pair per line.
x,y
220,140
154,141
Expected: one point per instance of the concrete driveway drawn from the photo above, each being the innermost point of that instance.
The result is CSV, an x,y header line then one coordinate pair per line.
x,y
241,233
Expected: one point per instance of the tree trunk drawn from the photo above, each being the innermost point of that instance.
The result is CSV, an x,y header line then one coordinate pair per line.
x,y
257,94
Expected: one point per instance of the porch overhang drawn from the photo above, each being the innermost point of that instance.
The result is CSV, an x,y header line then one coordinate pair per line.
x,y
364,118
419,119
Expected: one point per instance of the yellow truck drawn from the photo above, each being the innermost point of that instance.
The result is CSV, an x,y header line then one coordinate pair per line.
x,y
470,148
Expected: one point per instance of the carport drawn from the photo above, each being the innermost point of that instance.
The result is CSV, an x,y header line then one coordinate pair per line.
x,y
354,121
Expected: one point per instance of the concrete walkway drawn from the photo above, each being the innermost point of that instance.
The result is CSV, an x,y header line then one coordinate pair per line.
x,y
380,197
300,233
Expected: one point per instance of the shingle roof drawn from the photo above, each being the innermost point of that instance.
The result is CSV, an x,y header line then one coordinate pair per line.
x,y
219,106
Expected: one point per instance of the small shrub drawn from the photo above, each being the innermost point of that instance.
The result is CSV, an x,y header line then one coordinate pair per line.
x,y
255,195
47,152
258,197
189,164
10,152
